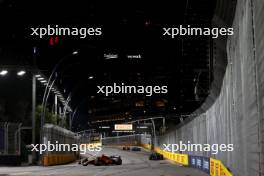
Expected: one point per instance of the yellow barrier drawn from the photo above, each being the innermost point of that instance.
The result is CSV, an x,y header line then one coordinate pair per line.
x,y
147,146
217,168
178,158
55,159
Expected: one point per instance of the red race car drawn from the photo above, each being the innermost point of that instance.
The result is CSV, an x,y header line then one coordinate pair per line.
x,y
102,160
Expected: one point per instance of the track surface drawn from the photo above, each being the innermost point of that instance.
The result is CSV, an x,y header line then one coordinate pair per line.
x,y
134,164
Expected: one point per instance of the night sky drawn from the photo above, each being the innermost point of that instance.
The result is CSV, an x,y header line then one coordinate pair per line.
x,y
128,28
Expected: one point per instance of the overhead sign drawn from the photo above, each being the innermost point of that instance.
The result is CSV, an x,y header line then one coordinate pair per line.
x,y
142,128
123,127
111,56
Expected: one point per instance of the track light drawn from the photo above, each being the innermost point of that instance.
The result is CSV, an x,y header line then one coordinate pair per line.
x,y
21,73
40,78
75,52
3,72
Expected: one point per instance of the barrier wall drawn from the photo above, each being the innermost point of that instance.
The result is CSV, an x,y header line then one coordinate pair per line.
x,y
234,111
146,146
217,168
178,158
53,134
211,166
199,162
55,159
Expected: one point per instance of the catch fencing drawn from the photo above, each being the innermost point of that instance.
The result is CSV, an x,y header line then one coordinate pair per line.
x,y
10,138
10,142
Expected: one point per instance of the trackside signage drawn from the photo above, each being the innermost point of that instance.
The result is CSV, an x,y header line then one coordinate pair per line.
x,y
123,127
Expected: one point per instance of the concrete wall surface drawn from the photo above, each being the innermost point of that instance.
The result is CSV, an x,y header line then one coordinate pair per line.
x,y
237,113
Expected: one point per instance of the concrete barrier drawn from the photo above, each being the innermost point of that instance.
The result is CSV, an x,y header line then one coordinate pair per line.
x,y
56,159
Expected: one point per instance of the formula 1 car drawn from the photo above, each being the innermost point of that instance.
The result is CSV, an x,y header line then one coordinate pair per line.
x,y
102,160
84,161
105,160
156,156
136,149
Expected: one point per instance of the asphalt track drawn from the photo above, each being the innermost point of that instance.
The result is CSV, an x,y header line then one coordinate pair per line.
x,y
134,164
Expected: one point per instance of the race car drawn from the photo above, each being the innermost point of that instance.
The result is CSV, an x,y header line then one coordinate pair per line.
x,y
156,156
116,160
105,160
84,161
102,160
136,149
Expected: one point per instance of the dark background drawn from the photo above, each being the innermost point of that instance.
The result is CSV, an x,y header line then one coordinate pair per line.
x,y
129,28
